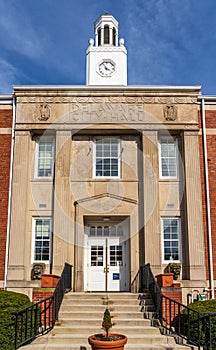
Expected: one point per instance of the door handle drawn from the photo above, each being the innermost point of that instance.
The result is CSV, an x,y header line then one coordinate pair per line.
x,y
106,269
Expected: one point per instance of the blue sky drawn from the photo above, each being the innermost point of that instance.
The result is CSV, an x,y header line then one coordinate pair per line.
x,y
169,42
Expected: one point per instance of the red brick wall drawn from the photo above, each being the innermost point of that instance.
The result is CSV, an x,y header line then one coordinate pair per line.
x,y
171,310
211,149
5,150
41,294
46,307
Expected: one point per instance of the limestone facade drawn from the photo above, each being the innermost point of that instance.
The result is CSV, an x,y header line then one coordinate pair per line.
x,y
74,198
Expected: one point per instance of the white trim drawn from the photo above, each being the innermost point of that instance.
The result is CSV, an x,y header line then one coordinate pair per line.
x,y
179,238
175,140
94,157
34,219
43,139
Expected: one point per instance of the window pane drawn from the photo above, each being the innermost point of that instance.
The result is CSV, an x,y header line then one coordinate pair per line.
x,y
170,239
107,154
168,158
42,239
45,158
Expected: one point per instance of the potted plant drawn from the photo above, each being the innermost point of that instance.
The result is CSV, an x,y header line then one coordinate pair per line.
x,y
108,340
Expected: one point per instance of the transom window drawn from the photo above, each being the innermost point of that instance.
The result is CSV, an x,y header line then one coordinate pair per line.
x,y
107,154
171,239
168,158
42,239
44,157
105,231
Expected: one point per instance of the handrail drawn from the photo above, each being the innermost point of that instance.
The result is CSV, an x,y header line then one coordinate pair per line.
x,y
196,327
40,318
148,282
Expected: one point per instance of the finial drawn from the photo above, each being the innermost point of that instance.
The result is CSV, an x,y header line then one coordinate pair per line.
x,y
91,42
121,42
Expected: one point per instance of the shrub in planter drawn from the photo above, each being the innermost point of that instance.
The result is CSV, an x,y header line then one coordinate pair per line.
x,y
10,302
108,340
203,329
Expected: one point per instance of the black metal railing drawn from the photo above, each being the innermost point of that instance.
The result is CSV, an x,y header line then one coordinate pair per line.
x,y
148,282
39,318
198,328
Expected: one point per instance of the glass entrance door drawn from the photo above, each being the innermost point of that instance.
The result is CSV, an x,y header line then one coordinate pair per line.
x,y
107,259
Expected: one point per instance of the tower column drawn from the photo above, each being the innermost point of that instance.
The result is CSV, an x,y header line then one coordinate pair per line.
x,y
96,38
111,35
116,38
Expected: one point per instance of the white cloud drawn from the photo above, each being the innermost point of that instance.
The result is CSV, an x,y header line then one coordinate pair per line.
x,y
17,33
7,77
158,38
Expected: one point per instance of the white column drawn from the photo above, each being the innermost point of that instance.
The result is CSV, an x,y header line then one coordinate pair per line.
x,y
116,38
110,35
96,38
152,239
195,240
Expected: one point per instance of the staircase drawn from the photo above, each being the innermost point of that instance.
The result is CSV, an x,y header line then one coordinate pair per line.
x,y
81,315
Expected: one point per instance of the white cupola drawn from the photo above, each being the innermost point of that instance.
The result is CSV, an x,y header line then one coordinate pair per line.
x,y
106,56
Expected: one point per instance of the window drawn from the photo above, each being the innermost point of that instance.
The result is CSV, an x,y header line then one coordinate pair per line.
x,y
107,154
171,239
106,35
168,158
44,157
42,240
105,231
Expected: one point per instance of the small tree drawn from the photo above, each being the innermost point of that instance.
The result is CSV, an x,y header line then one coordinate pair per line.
x,y
107,322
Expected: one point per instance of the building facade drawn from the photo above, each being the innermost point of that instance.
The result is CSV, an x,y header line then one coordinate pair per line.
x,y
108,177
6,116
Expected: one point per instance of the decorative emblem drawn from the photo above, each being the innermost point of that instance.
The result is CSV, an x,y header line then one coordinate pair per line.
x,y
170,112
37,270
44,112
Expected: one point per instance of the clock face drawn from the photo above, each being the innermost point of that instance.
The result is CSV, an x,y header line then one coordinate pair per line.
x,y
106,68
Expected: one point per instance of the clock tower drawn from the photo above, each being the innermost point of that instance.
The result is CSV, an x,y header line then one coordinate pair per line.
x,y
106,56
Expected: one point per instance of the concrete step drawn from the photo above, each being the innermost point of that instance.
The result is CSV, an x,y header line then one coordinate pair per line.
x,y
80,338
97,321
85,346
103,296
99,314
81,315
100,308
128,330
103,302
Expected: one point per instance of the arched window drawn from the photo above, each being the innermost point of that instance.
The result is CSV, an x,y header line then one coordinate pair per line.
x,y
113,231
120,231
106,35
92,231
99,231
106,230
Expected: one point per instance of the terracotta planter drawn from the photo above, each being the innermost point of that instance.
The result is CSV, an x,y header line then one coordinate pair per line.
x,y
165,279
49,281
104,345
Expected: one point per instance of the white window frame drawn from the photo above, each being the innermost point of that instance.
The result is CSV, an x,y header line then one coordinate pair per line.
x,y
34,220
94,157
178,219
43,139
175,141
